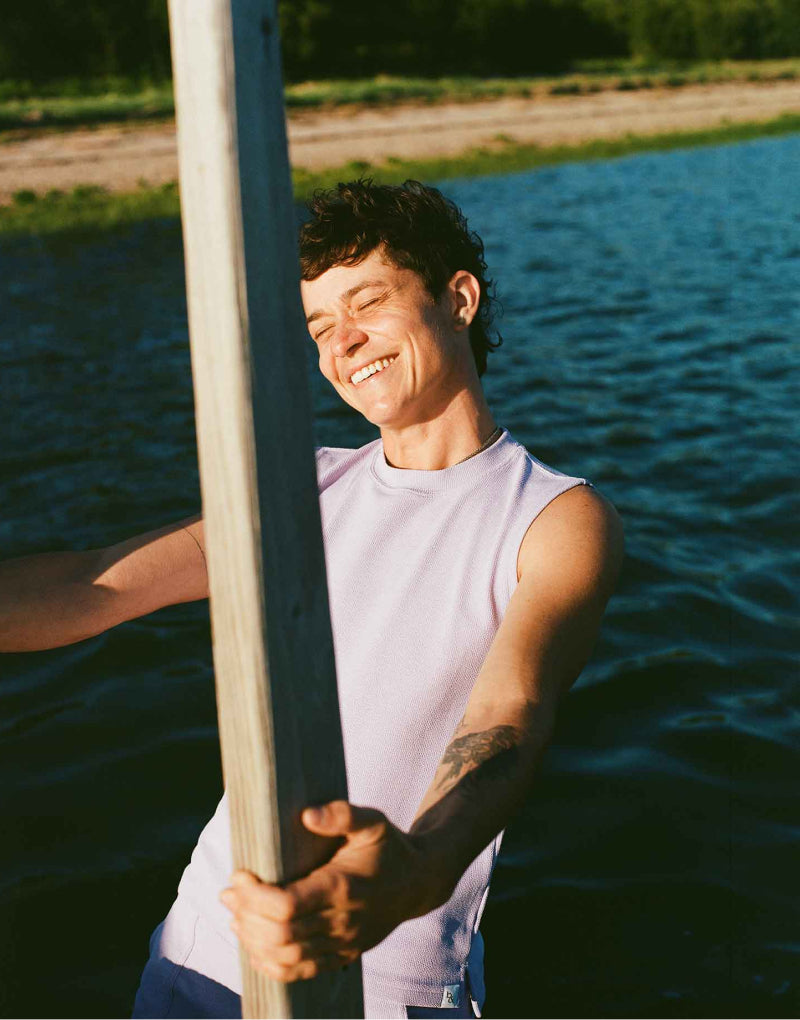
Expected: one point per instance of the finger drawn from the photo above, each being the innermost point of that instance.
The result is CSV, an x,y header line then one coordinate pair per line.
x,y
323,890
296,952
305,970
326,922
269,933
255,930
338,818
319,891
246,894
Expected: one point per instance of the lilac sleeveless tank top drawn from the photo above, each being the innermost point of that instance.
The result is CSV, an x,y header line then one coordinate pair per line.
x,y
421,566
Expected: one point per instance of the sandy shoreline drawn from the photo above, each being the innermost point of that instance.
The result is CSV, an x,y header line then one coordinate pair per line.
x,y
121,158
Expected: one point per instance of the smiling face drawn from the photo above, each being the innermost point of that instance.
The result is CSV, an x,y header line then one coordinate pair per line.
x,y
388,348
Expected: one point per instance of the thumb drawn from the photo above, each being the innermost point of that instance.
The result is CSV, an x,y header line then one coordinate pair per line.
x,y
338,818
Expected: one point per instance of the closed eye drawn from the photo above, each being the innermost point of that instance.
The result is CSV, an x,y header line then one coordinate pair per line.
x,y
320,334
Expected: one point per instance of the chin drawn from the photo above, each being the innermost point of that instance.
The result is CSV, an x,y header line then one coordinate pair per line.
x,y
377,414
380,421
383,413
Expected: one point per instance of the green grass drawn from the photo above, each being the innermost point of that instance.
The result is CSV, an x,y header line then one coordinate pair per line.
x,y
90,210
75,103
76,88
386,89
85,210
692,71
67,111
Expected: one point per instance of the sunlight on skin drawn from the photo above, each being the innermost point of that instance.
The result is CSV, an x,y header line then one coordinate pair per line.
x,y
428,403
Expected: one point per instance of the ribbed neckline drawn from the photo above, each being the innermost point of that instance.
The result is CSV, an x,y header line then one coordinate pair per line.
x,y
465,473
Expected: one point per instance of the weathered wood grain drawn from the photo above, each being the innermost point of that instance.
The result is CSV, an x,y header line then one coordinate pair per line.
x,y
273,654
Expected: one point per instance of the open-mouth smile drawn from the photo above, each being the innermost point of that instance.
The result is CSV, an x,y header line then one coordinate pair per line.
x,y
373,368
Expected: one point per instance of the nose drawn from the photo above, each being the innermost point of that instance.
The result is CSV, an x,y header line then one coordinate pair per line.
x,y
347,338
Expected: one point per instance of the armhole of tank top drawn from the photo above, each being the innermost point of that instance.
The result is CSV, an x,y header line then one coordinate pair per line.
x,y
522,529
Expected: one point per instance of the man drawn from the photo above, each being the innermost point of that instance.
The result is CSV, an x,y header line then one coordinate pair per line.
x,y
467,584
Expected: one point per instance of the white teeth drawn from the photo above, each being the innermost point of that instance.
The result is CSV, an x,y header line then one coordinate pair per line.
x,y
368,370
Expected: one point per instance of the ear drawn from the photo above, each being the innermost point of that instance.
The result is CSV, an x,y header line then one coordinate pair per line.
x,y
465,294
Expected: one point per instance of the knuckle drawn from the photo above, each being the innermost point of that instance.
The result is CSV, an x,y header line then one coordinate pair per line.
x,y
309,969
292,954
288,907
277,971
339,812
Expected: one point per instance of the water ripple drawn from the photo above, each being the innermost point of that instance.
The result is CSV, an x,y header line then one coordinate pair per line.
x,y
651,316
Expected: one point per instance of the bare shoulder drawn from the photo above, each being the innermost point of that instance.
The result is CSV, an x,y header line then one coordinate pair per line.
x,y
578,537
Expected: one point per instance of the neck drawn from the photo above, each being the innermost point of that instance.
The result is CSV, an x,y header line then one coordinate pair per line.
x,y
443,441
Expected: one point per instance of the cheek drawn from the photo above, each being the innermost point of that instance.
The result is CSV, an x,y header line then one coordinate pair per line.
x,y
326,365
328,369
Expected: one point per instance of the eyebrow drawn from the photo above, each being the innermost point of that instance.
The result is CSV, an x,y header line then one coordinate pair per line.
x,y
345,297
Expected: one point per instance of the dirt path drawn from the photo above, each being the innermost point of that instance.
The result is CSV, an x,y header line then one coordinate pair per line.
x,y
119,158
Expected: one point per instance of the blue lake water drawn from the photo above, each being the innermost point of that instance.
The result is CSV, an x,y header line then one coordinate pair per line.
x,y
651,320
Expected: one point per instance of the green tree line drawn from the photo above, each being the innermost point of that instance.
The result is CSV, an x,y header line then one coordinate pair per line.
x,y
44,40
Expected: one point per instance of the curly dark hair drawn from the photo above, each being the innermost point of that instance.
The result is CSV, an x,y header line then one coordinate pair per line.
x,y
420,230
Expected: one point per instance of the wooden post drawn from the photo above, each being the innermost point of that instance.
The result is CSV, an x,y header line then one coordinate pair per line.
x,y
273,654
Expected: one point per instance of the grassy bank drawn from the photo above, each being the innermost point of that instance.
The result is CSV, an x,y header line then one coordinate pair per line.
x,y
73,104
90,210
35,113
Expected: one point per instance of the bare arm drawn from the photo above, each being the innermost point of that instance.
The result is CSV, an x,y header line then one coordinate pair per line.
x,y
568,566
55,599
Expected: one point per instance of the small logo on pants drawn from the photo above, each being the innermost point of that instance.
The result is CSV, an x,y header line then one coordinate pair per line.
x,y
451,996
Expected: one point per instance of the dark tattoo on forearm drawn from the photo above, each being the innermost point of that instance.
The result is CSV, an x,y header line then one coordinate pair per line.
x,y
487,748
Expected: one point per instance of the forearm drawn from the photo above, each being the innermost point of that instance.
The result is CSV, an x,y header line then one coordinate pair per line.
x,y
567,572
58,598
483,778
51,599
